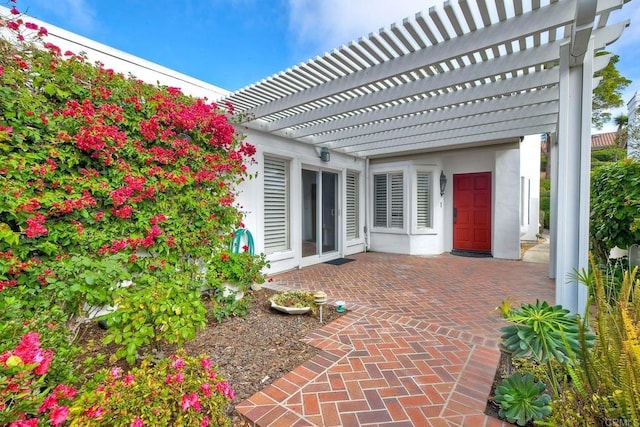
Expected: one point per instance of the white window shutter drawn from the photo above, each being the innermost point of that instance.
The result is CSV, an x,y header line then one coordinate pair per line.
x,y
396,201
380,201
423,200
276,205
352,206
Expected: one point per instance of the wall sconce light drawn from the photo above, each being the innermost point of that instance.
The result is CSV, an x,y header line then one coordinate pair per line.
x,y
325,155
443,183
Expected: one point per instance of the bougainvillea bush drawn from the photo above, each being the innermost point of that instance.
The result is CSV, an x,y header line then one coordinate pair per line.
x,y
178,391
104,178
112,192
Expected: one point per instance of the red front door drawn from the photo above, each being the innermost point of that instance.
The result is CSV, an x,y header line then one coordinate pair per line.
x,y
472,212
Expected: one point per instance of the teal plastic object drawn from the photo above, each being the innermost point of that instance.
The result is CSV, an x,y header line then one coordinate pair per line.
x,y
242,237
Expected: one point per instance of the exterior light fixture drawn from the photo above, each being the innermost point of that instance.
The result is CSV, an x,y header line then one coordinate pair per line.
x,y
325,155
443,183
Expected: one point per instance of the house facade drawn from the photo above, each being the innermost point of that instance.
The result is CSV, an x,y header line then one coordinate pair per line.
x,y
415,139
303,209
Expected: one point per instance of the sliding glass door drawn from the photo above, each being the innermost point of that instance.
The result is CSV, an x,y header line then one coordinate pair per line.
x,y
319,212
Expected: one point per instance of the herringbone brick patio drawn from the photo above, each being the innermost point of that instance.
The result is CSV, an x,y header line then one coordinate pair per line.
x,y
417,348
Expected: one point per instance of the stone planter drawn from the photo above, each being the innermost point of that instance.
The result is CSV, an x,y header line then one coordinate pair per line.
x,y
290,310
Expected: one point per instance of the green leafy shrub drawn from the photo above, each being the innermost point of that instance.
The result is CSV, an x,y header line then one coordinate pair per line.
x,y
521,399
615,207
545,202
180,390
607,155
228,306
155,309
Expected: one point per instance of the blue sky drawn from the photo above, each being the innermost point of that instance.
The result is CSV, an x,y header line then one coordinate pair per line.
x,y
233,43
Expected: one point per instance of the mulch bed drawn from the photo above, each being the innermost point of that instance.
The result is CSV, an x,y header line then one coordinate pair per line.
x,y
250,352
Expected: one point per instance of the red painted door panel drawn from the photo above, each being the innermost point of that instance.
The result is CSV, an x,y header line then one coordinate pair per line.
x,y
472,212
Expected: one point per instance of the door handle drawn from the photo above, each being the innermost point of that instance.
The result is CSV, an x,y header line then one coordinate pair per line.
x,y
333,212
455,214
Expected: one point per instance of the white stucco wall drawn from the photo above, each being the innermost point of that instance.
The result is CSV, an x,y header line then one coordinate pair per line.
x,y
503,161
530,200
506,206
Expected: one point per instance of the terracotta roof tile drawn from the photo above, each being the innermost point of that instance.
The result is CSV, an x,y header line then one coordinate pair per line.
x,y
603,140
598,141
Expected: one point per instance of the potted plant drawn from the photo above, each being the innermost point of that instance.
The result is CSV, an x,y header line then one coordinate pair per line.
x,y
236,272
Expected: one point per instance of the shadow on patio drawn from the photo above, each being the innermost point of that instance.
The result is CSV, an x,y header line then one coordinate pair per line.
x,y
418,346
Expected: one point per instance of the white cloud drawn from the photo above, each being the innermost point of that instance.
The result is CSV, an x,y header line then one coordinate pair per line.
x,y
322,25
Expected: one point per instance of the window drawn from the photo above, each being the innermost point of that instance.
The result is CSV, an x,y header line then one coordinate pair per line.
x,y
388,200
423,200
353,213
276,205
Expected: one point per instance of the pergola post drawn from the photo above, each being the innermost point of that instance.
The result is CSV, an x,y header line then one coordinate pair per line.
x,y
573,173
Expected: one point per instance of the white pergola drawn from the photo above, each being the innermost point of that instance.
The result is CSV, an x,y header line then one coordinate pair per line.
x,y
475,72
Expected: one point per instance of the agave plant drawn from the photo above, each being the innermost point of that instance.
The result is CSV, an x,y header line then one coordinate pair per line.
x,y
544,333
521,399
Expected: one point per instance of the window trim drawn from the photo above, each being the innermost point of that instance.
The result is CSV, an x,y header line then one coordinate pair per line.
x,y
389,196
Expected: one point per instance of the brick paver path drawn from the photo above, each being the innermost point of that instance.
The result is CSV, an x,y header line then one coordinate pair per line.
x,y
417,348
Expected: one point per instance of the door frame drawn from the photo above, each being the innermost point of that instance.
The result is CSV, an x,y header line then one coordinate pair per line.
x,y
337,253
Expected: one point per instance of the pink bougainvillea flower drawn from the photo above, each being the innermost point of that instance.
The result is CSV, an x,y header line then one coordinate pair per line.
x,y
43,367
31,422
190,400
94,412
178,364
35,226
129,379
226,390
115,372
137,422
49,402
206,389
206,363
205,422
15,11
64,391
58,415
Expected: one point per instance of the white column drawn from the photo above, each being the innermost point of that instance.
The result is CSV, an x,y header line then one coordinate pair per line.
x,y
573,168
553,206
